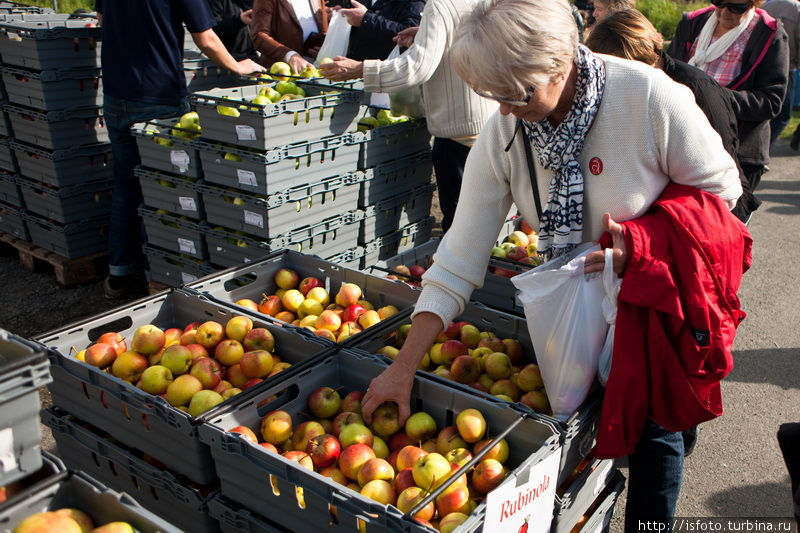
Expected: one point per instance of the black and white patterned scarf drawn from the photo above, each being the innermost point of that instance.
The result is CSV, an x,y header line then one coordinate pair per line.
x,y
561,227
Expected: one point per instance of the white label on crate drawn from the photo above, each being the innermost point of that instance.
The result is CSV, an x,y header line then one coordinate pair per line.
x,y
525,498
246,177
8,461
253,219
187,246
187,203
180,159
601,481
245,133
188,278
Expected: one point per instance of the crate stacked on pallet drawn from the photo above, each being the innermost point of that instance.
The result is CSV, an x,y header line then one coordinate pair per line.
x,y
396,196
106,425
51,73
281,175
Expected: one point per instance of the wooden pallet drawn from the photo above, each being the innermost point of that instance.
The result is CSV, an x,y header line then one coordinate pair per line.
x,y
155,287
69,272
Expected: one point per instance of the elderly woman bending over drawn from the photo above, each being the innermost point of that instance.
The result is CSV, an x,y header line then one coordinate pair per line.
x,y
607,135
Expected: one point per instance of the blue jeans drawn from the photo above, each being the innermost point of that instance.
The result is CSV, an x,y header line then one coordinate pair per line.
x,y
778,123
124,234
655,470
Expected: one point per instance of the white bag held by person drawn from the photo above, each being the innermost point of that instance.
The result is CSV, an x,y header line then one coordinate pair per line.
x,y
564,312
337,39
405,102
611,286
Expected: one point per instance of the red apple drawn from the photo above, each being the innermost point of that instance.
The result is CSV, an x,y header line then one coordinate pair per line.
x,y
246,433
353,457
147,340
324,402
309,283
209,334
352,312
259,339
488,474
101,355
324,451
403,480
352,402
408,456
270,305
116,340
208,371
256,364
286,278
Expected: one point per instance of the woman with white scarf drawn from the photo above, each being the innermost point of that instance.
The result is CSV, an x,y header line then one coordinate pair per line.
x,y
745,50
604,137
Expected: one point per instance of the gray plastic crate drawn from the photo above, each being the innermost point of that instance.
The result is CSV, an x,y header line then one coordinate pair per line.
x,y
173,233
397,242
63,168
282,168
137,419
67,204
279,213
23,369
53,89
12,222
419,255
177,155
577,498
577,433
387,143
264,482
176,194
82,492
173,270
254,279
11,8
203,75
73,240
7,159
233,518
5,123
349,259
50,41
83,448
58,129
289,121
497,290
389,215
228,249
395,177
9,190
600,519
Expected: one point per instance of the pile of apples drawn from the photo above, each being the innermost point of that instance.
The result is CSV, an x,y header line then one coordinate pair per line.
x,y
188,127
481,360
305,303
386,462
520,245
68,520
195,368
408,274
383,117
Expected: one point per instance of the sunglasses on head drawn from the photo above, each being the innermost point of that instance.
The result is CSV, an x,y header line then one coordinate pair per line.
x,y
510,101
738,9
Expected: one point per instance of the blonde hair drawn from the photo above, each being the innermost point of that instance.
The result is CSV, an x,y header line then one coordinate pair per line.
x,y
614,6
505,46
627,34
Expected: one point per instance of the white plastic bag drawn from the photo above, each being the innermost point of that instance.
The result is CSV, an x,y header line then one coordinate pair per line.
x,y
336,40
405,102
611,285
564,312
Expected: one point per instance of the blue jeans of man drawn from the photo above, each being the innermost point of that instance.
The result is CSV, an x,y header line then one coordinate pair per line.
x,y
778,123
124,234
655,470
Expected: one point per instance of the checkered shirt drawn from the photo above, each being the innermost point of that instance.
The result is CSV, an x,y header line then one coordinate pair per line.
x,y
727,67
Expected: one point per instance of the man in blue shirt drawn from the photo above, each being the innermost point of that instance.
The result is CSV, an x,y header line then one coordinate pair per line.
x,y
143,78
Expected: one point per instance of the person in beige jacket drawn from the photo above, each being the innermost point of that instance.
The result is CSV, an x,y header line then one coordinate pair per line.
x,y
455,114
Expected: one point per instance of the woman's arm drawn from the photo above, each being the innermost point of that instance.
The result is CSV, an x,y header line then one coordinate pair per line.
x,y
270,48
764,101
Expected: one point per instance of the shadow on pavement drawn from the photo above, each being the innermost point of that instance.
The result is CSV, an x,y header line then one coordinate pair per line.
x,y
752,500
773,366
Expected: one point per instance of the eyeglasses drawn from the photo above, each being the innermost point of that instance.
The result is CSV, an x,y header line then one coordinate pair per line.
x,y
510,101
736,9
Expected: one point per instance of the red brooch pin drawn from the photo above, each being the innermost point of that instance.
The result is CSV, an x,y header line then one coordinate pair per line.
x,y
595,165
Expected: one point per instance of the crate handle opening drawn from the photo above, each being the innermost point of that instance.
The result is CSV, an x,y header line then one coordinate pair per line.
x,y
238,282
145,422
334,516
103,400
125,411
301,500
273,481
120,324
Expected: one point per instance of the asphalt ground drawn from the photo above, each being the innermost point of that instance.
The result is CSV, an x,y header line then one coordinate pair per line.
x,y
736,469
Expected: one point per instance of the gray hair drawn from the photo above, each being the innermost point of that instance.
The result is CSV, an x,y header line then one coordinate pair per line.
x,y
505,46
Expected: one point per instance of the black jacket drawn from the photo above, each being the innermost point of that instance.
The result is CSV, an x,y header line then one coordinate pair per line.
x,y
384,20
233,33
759,90
717,103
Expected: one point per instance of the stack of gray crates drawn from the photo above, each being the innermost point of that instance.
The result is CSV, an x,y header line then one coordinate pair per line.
x,y
397,193
56,142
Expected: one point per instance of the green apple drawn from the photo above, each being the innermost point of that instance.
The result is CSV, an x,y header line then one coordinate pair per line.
x,y
286,87
270,93
231,157
280,70
261,100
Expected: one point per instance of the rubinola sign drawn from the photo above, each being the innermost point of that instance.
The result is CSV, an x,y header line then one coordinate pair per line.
x,y
524,502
